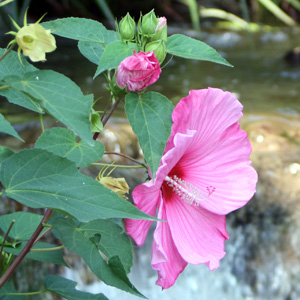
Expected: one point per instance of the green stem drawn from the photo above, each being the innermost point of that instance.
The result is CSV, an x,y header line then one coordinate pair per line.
x,y
4,87
42,123
117,166
6,236
25,250
126,156
48,249
26,294
7,51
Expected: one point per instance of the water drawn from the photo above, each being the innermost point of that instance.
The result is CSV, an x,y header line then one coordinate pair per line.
x,y
263,260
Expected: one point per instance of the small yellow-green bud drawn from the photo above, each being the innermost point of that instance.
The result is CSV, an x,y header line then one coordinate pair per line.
x,y
148,24
160,30
159,48
127,28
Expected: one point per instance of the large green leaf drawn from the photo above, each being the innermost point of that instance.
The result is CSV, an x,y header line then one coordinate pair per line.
x,y
113,54
54,256
150,117
187,47
63,142
112,240
24,226
40,179
5,152
11,65
60,96
111,272
6,127
21,99
78,29
94,50
67,289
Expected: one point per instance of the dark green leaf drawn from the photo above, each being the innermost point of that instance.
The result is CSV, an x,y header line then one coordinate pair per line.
x,y
5,153
54,257
150,118
63,142
112,240
187,47
25,225
61,97
67,289
113,54
78,29
78,241
11,65
40,179
6,127
8,288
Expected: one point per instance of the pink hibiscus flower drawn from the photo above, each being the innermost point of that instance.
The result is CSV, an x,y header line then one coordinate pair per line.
x,y
204,174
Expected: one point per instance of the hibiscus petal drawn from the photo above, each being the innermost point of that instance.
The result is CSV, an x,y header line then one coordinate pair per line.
x,y
198,234
226,168
146,197
165,257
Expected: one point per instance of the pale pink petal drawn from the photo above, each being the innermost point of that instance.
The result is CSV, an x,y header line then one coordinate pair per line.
x,y
146,198
199,235
209,112
165,257
226,168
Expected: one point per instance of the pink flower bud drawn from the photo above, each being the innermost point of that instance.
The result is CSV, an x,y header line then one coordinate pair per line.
x,y
162,22
138,71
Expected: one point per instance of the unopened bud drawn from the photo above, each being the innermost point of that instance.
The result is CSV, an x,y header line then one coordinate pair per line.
x,y
127,28
159,49
148,24
160,30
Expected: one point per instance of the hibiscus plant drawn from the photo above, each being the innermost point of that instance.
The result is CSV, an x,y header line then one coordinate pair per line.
x,y
196,156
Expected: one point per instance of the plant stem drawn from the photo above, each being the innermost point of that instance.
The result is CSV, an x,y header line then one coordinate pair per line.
x,y
26,294
7,51
48,249
42,123
126,156
25,250
106,118
6,236
117,166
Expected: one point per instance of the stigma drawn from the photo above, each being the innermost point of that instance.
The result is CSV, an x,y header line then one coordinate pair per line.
x,y
188,192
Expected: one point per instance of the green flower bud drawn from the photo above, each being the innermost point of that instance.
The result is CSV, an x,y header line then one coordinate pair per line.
x,y
148,24
160,30
159,48
127,28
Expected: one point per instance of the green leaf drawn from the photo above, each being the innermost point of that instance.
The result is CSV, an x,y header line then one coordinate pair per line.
x,y
76,240
63,142
67,289
12,66
187,47
150,118
8,288
25,225
113,54
21,99
94,50
5,152
78,29
54,257
60,96
6,127
40,179
113,241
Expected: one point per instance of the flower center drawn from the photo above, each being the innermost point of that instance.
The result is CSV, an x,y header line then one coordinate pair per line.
x,y
27,39
188,192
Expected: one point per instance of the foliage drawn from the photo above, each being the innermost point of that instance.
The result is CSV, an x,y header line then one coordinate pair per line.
x,y
79,210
